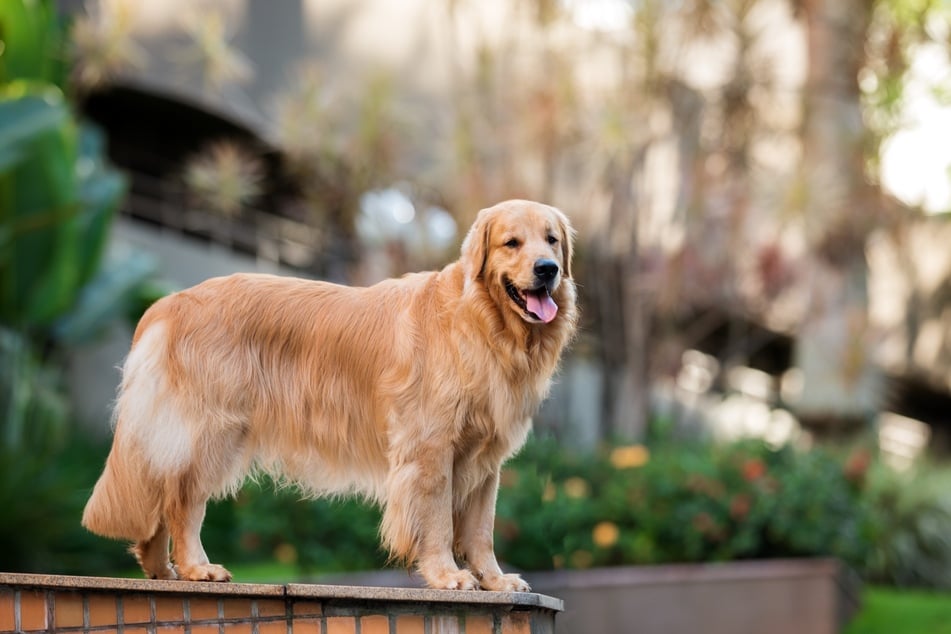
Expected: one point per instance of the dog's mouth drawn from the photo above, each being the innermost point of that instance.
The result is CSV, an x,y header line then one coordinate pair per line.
x,y
536,303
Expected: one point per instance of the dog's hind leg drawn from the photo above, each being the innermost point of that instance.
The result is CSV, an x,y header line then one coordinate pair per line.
x,y
152,555
185,512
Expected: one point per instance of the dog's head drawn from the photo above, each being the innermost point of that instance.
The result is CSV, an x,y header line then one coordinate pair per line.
x,y
521,252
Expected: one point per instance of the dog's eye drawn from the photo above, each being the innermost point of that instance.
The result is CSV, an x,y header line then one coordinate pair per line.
x,y
552,240
512,244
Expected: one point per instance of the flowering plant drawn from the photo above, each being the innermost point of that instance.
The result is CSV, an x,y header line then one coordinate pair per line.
x,y
683,502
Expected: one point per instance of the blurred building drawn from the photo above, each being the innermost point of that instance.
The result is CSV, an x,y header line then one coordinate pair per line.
x,y
222,70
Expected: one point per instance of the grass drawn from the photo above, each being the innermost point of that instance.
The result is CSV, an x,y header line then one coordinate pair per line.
x,y
894,611
265,572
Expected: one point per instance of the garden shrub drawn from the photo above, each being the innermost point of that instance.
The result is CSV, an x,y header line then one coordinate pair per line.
x,y
912,516
684,502
273,522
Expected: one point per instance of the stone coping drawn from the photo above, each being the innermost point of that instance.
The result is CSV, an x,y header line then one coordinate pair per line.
x,y
290,590
765,570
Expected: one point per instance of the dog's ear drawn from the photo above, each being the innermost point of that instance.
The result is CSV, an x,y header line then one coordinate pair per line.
x,y
567,240
475,246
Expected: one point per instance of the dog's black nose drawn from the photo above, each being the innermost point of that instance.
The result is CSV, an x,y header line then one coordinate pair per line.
x,y
546,270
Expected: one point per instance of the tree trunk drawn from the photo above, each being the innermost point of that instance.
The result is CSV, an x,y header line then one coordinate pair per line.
x,y
627,402
841,385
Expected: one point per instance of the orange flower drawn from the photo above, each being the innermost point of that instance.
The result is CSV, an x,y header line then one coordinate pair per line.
x,y
630,456
605,534
576,488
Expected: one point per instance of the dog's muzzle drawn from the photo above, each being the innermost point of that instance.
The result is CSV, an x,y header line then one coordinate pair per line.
x,y
536,301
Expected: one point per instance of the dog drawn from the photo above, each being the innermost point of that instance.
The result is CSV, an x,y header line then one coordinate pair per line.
x,y
411,392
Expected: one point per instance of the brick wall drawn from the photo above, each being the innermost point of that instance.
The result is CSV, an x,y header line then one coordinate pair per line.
x,y
43,603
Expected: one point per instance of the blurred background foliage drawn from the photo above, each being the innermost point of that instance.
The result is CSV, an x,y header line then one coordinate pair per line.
x,y
742,237
58,195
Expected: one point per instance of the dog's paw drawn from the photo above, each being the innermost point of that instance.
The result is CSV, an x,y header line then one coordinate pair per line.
x,y
204,572
167,572
505,583
453,580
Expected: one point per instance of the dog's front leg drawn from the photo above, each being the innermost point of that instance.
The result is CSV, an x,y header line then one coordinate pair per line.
x,y
475,524
417,520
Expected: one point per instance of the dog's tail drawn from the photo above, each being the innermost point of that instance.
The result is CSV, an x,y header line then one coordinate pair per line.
x,y
126,502
128,499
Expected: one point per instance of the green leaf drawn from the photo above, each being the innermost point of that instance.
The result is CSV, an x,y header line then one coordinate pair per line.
x,y
37,200
27,112
32,41
105,298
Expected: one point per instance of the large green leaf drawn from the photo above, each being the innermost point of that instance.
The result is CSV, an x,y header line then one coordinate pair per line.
x,y
106,297
27,111
39,196
36,188
32,41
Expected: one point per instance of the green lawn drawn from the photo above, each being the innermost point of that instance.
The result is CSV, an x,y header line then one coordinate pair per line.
x,y
891,611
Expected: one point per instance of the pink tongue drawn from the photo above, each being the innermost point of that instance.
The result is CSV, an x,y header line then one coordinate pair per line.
x,y
541,304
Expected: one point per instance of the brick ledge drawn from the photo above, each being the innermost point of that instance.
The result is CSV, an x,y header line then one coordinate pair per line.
x,y
289,590
54,604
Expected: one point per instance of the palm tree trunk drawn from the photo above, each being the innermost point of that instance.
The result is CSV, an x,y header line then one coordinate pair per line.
x,y
840,382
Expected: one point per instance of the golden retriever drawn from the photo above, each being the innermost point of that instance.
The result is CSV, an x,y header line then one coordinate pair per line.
x,y
411,392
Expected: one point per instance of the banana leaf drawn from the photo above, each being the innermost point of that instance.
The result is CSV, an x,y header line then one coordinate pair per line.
x,y
106,298
33,43
38,205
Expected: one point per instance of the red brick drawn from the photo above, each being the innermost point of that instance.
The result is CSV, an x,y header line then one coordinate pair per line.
x,y
238,628
308,608
102,609
341,625
410,624
237,608
135,609
33,610
479,624
207,628
68,610
376,624
271,608
6,610
169,610
202,609
272,627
